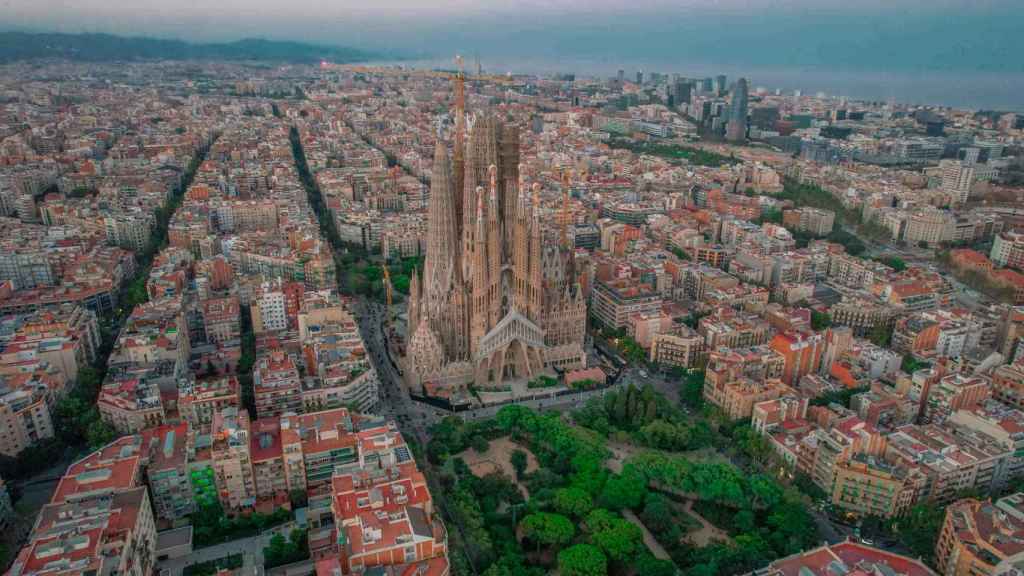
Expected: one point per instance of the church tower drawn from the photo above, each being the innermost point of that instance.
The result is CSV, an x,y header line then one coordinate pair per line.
x,y
491,288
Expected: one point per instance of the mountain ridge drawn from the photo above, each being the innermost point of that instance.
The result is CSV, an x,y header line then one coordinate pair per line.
x,y
101,47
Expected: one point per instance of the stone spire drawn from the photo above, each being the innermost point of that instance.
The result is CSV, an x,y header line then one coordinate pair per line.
x,y
442,262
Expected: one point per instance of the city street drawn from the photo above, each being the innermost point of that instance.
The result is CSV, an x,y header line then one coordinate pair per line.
x,y
395,403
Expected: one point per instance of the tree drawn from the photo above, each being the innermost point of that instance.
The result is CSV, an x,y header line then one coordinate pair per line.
x,y
880,335
582,560
693,390
911,364
547,529
89,381
657,513
598,519
71,418
519,461
820,320
479,443
620,541
299,498
625,490
275,550
919,530
648,565
573,501
841,397
100,433
511,564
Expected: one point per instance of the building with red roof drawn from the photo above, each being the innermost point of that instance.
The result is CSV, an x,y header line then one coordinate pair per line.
x,y
99,520
276,385
846,559
978,535
383,510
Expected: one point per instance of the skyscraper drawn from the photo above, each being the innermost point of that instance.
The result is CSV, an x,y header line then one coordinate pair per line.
x,y
736,131
683,91
499,297
720,84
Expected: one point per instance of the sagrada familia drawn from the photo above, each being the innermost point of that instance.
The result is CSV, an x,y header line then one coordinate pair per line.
x,y
499,297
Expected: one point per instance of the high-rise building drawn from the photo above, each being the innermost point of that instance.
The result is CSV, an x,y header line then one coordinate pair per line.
x,y
720,84
737,128
683,92
497,300
957,178
639,76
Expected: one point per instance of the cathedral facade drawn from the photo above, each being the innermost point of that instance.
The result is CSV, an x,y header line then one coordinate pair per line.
x,y
499,298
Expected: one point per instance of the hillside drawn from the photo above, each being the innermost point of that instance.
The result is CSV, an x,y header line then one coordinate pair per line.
x,y
107,47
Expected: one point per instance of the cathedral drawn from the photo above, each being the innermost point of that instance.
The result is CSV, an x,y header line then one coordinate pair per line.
x,y
498,299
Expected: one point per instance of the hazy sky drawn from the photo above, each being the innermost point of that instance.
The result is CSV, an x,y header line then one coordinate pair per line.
x,y
876,35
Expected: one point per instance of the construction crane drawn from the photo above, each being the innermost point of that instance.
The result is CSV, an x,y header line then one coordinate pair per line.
x,y
564,217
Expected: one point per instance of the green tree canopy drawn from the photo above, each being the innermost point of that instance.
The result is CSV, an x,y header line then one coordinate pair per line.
x,y
548,529
582,560
621,541
573,501
625,490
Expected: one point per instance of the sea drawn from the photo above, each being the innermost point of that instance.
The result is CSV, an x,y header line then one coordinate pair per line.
x,y
968,90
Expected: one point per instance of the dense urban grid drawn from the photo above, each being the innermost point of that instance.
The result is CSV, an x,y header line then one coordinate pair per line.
x,y
343,319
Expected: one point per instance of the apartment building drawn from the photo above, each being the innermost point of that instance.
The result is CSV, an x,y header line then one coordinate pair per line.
x,y
222,321
954,392
1008,384
199,400
131,403
978,535
681,347
335,357
276,385
316,442
25,403
64,338
165,457
952,459
915,334
383,511
614,302
268,468
814,221
869,486
733,329
736,380
1008,250
862,315
99,520
801,353
231,460
268,311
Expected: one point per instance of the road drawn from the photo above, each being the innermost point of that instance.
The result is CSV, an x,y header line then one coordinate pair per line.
x,y
412,417
251,547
